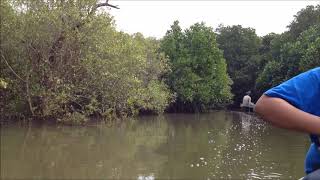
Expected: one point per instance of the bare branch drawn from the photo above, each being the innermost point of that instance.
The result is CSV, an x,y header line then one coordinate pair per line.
x,y
25,81
11,68
101,5
106,4
28,94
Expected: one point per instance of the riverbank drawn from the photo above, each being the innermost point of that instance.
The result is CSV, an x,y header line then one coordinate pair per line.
x,y
94,120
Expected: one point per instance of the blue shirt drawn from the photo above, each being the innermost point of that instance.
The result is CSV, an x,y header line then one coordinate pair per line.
x,y
303,92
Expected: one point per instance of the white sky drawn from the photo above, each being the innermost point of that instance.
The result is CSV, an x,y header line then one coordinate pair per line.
x,y
154,18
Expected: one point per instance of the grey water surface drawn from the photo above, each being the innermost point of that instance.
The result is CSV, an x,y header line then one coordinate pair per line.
x,y
216,145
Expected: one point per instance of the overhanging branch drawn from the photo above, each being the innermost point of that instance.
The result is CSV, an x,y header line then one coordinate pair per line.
x,y
106,4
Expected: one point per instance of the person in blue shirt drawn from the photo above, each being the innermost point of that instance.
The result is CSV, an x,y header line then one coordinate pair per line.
x,y
295,105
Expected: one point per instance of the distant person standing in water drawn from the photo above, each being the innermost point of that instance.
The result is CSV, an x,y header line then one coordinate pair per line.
x,y
246,102
295,105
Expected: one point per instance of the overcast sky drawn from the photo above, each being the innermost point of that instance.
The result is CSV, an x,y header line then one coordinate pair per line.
x,y
153,18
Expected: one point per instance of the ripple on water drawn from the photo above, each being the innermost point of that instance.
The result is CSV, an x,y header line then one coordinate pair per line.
x,y
146,177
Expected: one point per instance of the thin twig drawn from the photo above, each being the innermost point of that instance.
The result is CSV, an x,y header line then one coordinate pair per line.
x,y
11,68
28,94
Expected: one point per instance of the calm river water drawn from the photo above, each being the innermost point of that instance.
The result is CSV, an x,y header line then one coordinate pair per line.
x,y
217,145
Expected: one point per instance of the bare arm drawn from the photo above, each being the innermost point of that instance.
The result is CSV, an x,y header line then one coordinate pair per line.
x,y
282,114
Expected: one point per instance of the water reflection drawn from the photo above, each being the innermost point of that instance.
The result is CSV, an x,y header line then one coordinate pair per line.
x,y
227,145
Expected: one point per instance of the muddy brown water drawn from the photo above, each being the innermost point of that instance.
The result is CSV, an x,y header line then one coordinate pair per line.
x,y
216,145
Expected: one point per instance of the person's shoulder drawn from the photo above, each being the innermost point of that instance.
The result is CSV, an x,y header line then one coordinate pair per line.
x,y
310,75
314,73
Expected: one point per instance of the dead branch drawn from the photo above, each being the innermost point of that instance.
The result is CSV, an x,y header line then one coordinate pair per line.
x,y
106,4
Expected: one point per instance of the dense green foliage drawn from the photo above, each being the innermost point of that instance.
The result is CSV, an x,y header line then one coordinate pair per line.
x,y
294,51
63,60
241,51
198,75
303,20
258,64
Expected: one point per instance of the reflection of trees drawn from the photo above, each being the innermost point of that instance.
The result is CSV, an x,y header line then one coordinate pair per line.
x,y
175,146
88,152
194,151
182,149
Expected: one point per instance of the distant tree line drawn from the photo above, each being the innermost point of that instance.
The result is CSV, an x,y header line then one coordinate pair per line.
x,y
292,52
253,63
65,61
259,63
